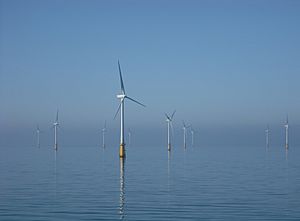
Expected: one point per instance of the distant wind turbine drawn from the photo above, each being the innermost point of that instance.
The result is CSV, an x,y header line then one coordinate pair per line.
x,y
38,131
169,122
185,127
122,98
103,134
286,125
267,136
55,125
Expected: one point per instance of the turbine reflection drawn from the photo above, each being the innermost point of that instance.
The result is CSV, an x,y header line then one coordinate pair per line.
x,y
122,189
55,174
168,184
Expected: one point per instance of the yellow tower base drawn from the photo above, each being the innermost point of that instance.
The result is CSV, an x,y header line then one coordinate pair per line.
x,y
122,150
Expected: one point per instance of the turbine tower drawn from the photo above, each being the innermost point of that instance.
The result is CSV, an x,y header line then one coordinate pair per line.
x,y
122,98
185,127
169,122
103,134
55,125
38,131
267,136
286,125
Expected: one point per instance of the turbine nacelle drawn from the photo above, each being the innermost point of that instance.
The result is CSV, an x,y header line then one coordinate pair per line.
x,y
185,126
286,125
170,118
121,96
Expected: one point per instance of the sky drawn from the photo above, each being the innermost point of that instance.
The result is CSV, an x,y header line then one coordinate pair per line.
x,y
220,64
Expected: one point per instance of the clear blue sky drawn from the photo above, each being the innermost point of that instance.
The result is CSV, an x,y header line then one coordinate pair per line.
x,y
216,62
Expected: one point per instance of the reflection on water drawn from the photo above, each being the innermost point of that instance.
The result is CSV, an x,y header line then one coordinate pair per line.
x,y
169,178
169,156
55,173
169,175
122,189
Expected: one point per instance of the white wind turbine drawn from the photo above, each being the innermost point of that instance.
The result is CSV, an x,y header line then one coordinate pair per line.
x,y
169,122
103,134
185,127
267,136
286,125
55,125
122,98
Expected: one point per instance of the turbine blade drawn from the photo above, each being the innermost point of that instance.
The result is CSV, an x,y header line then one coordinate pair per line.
x,y
135,101
183,123
57,115
173,114
167,117
117,111
121,79
172,129
105,124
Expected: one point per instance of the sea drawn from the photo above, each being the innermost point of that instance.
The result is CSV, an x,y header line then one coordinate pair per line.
x,y
192,183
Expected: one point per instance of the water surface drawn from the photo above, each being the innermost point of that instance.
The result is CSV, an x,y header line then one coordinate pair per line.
x,y
208,183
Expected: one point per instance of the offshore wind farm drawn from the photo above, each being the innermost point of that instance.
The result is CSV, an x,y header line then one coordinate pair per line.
x,y
145,110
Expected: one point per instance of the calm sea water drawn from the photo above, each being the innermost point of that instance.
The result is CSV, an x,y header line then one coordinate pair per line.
x,y
208,183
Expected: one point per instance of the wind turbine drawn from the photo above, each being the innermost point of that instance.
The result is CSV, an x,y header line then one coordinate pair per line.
x,y
55,125
122,98
185,127
267,136
286,125
169,122
103,134
38,131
